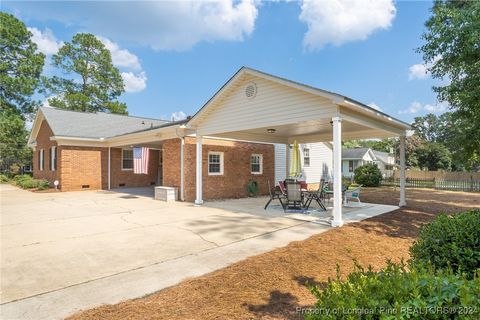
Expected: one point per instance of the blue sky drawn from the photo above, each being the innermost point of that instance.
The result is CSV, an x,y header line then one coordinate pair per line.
x,y
175,55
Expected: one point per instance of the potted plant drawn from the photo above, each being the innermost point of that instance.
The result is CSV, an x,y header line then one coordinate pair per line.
x,y
252,188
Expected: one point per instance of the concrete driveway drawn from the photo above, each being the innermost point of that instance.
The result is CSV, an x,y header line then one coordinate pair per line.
x,y
75,250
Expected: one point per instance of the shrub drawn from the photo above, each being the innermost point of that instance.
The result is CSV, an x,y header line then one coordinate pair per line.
x,y
450,242
396,293
4,179
252,188
43,184
27,182
368,175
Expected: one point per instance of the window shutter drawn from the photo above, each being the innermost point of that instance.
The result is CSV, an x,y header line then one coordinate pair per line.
x,y
55,159
50,159
39,160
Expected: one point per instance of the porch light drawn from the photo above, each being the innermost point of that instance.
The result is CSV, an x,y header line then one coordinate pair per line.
x,y
271,130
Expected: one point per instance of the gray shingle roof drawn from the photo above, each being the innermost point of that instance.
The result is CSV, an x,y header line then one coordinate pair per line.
x,y
380,155
354,153
95,125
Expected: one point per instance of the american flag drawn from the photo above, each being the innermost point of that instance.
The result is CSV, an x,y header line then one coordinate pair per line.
x,y
140,160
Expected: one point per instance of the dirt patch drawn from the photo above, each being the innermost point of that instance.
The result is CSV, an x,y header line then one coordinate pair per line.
x,y
272,285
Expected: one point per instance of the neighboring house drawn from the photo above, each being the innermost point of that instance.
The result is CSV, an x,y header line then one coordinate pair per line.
x,y
316,160
68,147
356,157
385,162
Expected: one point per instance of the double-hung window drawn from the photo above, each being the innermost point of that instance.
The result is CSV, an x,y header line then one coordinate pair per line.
x,y
351,166
215,163
256,163
53,158
127,159
306,157
41,159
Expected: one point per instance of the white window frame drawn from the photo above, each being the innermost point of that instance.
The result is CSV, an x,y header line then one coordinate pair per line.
x,y
260,163
305,156
221,163
127,169
53,158
42,159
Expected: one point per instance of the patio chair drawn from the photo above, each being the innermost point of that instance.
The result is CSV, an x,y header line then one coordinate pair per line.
x,y
353,194
318,196
294,199
275,193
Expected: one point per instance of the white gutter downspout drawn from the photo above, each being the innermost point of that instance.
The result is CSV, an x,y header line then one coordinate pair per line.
x,y
109,185
182,170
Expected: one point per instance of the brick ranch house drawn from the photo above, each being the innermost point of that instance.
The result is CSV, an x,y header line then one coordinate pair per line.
x,y
213,154
64,152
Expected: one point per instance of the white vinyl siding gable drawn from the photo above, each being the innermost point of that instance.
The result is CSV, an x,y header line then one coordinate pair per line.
x,y
237,112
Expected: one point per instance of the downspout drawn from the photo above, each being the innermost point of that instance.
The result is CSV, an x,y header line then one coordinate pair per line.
x,y
108,166
182,170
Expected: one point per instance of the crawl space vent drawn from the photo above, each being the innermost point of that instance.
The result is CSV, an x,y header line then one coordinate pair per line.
x,y
251,90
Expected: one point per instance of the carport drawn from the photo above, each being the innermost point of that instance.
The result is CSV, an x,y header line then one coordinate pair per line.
x,y
255,106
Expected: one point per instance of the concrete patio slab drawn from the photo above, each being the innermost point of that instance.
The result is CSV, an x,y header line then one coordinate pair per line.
x,y
62,252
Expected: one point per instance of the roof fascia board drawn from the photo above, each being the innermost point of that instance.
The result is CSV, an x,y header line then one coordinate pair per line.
x,y
360,107
39,117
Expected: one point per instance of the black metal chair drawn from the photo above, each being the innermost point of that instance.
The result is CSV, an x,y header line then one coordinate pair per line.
x,y
294,199
275,193
318,196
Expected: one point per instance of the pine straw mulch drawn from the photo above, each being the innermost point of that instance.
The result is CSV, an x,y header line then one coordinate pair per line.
x,y
272,285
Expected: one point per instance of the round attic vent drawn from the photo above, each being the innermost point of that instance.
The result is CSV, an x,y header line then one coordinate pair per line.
x,y
251,90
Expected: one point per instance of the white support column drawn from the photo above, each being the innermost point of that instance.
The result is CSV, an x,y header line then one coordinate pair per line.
x,y
403,201
337,172
287,160
108,168
182,171
199,200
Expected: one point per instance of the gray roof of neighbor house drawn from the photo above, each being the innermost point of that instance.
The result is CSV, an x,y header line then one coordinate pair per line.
x,y
354,153
380,155
96,125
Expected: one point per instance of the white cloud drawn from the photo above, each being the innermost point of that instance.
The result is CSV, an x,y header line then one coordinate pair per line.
x,y
179,115
374,106
436,108
121,57
340,21
46,41
134,82
162,25
432,108
417,71
421,71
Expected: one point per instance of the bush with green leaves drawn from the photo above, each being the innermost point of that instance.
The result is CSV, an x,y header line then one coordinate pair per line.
x,y
252,188
25,181
397,292
450,242
4,179
368,175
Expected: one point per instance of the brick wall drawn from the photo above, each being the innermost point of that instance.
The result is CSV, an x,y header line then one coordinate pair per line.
x,y
86,168
236,173
44,142
83,168
127,177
